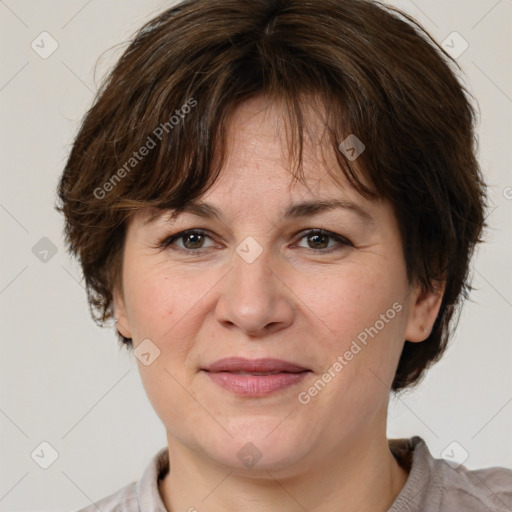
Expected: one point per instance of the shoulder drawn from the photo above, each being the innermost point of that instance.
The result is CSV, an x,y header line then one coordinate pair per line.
x,y
141,496
442,485
487,489
124,500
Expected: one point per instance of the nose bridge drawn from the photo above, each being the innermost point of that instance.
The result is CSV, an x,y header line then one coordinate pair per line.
x,y
251,267
252,298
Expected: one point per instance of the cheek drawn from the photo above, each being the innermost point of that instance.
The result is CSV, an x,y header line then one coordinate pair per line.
x,y
162,306
166,304
351,300
149,306
155,298
363,312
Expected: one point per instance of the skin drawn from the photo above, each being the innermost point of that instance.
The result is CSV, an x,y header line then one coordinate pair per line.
x,y
296,301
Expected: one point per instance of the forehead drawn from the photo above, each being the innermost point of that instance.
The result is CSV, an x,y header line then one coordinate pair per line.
x,y
260,157
259,132
258,169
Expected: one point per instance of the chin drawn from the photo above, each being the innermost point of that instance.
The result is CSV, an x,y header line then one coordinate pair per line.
x,y
257,445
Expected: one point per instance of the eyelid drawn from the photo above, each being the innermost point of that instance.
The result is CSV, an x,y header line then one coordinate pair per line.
x,y
168,240
342,240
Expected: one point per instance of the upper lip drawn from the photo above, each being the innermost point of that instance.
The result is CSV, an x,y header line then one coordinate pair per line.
x,y
240,364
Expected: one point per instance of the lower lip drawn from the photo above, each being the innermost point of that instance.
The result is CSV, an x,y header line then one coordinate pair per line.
x,y
255,385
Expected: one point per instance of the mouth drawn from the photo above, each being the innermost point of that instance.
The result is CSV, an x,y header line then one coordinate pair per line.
x,y
255,377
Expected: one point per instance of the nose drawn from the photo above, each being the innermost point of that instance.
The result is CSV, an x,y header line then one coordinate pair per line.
x,y
254,298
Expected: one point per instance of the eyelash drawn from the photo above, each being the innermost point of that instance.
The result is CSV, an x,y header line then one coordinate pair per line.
x,y
168,241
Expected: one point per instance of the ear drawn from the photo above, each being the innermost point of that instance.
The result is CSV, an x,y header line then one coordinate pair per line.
x,y
120,313
424,308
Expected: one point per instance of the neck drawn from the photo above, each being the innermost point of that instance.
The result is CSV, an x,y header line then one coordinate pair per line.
x,y
364,476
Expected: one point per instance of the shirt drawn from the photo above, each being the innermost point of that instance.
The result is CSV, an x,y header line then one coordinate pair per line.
x,y
433,485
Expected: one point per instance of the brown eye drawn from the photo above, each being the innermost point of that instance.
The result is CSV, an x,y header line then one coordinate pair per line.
x,y
187,240
324,241
318,240
192,240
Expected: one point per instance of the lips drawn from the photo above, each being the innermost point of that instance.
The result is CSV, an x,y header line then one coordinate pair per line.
x,y
254,377
254,366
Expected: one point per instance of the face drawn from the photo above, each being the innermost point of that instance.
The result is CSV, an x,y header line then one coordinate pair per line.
x,y
270,322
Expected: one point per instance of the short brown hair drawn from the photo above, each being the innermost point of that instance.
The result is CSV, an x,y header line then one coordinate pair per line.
x,y
379,75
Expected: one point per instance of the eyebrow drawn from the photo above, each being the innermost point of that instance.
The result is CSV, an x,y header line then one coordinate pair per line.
x,y
292,211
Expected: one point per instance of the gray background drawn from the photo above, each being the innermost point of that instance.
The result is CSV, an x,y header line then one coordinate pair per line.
x,y
64,380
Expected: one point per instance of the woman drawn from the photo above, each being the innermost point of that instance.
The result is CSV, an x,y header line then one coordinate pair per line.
x,y
278,202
